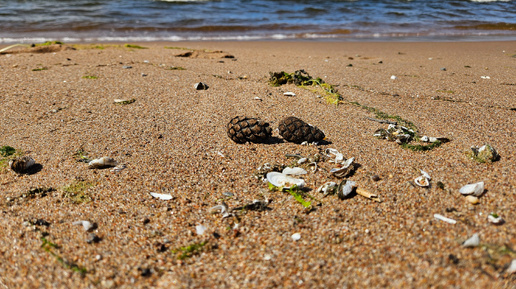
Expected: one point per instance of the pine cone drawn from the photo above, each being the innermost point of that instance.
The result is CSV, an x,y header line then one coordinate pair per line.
x,y
243,129
295,130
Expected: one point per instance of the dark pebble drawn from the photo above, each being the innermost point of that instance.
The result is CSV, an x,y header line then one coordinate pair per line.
x,y
375,178
443,69
93,238
127,67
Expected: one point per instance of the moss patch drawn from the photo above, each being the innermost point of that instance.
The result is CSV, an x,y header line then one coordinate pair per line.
x,y
77,192
90,77
189,251
133,46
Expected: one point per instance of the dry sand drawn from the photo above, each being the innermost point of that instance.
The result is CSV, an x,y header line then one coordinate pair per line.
x,y
173,141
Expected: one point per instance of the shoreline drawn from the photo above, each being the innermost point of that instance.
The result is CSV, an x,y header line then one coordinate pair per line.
x,y
59,106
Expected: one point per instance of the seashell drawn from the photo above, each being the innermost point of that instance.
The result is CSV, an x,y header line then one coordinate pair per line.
x,y
223,210
380,133
296,236
302,161
444,219
426,175
200,229
338,156
473,189
422,181
289,93
487,153
294,171
344,170
472,199
512,267
283,181
88,226
495,219
424,139
327,188
118,168
201,86
103,162
393,77
22,164
345,188
162,196
473,241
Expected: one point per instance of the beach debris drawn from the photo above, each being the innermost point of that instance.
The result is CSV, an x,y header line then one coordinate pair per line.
x,y
88,226
200,229
118,168
484,154
302,161
473,241
342,171
512,267
328,188
423,180
222,208
201,86
284,181
495,219
476,189
242,129
257,98
444,219
124,101
375,178
473,200
263,170
394,77
289,93
93,238
228,194
127,67
485,77
294,171
297,131
338,157
162,196
22,165
103,162
366,194
397,133
345,188
296,236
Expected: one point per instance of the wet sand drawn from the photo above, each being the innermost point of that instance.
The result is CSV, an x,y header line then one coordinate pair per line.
x,y
59,105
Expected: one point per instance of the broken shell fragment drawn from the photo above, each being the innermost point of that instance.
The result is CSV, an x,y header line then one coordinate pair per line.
x,y
296,236
162,196
88,226
473,189
328,188
472,200
347,167
484,154
22,164
283,181
473,241
200,229
222,208
422,181
294,171
495,219
103,162
444,219
302,161
201,86
345,188
512,267
338,157
289,93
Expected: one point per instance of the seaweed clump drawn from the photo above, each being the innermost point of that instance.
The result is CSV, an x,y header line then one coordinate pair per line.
x,y
303,79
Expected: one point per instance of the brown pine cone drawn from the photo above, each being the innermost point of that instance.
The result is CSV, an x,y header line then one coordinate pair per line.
x,y
243,129
295,130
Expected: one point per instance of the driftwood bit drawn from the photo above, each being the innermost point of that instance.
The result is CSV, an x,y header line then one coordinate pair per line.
x,y
368,195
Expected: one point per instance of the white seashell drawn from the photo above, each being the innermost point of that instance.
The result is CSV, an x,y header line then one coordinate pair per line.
x,y
223,210
257,98
485,77
512,267
393,77
296,236
200,229
85,224
422,181
347,166
426,175
432,139
118,168
103,162
305,143
282,180
302,161
473,241
289,93
424,138
294,171
473,189
346,189
444,219
162,196
327,188
338,156
495,219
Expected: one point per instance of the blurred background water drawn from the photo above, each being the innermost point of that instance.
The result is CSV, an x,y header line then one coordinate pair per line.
x,y
339,20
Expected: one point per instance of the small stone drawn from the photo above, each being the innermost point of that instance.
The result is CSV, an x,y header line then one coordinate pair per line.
x,y
443,68
393,77
200,229
473,241
146,221
472,199
296,236
127,67
93,238
512,267
375,178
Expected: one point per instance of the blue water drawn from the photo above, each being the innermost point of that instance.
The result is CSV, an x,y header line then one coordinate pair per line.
x,y
152,20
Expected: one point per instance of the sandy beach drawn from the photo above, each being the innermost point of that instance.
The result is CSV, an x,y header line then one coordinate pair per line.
x,y
58,106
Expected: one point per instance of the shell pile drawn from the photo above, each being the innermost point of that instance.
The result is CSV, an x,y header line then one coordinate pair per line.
x,y
103,162
399,134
